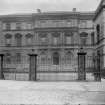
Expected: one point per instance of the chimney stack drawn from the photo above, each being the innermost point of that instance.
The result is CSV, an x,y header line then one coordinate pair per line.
x,y
74,10
38,10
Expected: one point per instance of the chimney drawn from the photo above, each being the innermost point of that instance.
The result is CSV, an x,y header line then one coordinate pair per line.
x,y
38,10
74,10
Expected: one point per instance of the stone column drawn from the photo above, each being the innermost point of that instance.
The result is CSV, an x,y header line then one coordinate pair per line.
x,y
1,66
81,66
33,67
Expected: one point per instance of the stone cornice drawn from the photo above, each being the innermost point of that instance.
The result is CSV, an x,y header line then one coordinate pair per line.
x,y
62,29
39,16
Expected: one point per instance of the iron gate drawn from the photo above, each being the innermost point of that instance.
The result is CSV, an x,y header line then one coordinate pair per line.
x,y
51,72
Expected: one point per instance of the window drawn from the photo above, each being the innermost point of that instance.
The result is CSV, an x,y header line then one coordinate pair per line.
x,y
13,26
29,26
43,57
68,39
83,41
8,38
69,23
18,58
18,26
18,38
83,37
98,32
43,21
83,24
92,38
8,26
56,58
56,38
8,58
29,38
68,58
43,38
68,36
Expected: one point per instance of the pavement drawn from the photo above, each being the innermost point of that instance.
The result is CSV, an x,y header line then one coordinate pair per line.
x,y
54,93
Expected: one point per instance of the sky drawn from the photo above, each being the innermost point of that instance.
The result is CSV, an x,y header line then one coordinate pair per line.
x,y
30,6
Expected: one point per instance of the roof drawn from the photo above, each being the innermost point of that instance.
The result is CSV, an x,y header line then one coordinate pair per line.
x,y
49,15
99,9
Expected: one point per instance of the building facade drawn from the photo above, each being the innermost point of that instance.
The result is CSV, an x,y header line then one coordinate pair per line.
x,y
56,38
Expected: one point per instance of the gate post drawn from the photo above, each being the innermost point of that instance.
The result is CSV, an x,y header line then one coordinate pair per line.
x,y
33,67
98,69
1,66
81,65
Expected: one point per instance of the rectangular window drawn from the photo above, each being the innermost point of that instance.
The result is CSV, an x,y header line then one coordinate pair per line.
x,y
68,39
55,40
13,26
83,24
18,58
8,58
4,26
8,41
29,26
8,26
83,41
18,26
92,39
29,41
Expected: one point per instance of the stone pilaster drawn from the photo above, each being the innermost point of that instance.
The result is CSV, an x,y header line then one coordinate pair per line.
x,y
1,66
81,66
33,67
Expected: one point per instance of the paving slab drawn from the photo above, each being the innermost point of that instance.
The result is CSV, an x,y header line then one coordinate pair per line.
x,y
54,93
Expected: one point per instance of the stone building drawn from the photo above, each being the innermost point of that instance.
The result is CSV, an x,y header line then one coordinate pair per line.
x,y
56,38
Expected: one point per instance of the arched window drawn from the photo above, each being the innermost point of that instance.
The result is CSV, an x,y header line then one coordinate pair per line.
x,y
18,38
8,39
56,58
68,58
29,38
98,32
